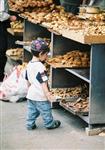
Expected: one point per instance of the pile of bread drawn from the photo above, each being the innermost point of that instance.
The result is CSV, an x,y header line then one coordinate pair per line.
x,y
23,5
74,98
66,93
71,59
17,26
81,105
95,28
15,53
96,17
55,18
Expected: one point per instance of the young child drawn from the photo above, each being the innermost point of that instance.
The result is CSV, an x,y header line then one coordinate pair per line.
x,y
39,96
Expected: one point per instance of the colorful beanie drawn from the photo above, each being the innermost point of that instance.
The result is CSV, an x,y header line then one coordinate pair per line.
x,y
39,45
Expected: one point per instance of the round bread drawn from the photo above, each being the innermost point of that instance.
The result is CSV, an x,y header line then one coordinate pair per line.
x,y
92,10
82,9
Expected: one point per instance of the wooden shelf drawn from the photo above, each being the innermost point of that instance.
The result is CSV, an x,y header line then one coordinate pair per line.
x,y
58,65
79,36
76,34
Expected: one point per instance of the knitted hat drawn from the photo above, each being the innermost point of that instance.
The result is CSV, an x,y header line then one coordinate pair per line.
x,y
39,45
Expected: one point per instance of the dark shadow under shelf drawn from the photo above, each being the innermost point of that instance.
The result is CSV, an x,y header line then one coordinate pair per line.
x,y
81,73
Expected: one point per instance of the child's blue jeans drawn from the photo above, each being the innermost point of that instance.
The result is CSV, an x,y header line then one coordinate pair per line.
x,y
35,108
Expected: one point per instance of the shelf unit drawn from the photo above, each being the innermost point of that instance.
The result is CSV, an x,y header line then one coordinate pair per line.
x,y
14,36
94,76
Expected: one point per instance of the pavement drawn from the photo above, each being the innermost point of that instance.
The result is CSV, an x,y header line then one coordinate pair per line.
x,y
70,136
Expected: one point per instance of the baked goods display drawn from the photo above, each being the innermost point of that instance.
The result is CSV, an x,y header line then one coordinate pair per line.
x,y
95,28
17,26
78,106
74,99
96,17
93,17
58,21
24,5
73,92
71,59
82,9
55,18
15,53
92,10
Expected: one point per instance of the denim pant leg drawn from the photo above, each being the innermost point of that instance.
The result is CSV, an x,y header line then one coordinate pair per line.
x,y
32,113
45,110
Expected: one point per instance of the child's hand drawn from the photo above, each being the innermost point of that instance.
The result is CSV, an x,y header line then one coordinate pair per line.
x,y
13,18
50,97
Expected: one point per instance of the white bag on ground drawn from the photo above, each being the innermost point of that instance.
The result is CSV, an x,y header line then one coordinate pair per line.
x,y
14,86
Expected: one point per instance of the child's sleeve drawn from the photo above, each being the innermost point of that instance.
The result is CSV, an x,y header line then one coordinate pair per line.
x,y
26,75
42,75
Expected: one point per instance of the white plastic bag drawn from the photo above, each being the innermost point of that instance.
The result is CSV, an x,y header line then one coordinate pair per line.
x,y
4,16
15,86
